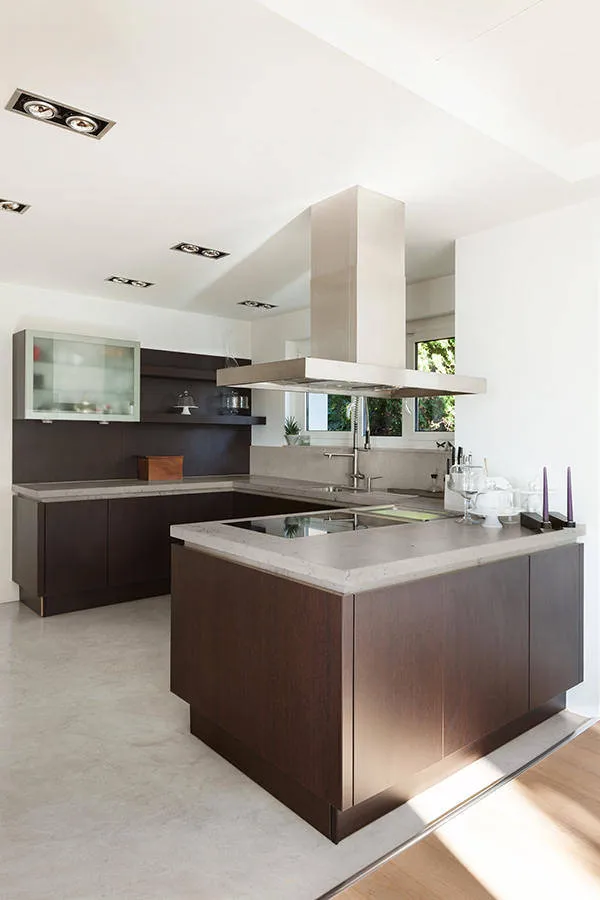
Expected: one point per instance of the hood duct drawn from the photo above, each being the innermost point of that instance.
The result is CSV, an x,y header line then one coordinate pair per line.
x,y
357,310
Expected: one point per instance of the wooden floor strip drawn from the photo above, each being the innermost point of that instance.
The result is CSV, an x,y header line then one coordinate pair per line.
x,y
563,782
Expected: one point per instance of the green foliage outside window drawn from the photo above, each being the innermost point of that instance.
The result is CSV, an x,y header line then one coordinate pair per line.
x,y
432,413
338,412
436,413
385,417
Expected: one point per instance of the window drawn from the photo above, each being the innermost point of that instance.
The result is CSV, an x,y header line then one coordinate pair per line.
x,y
327,412
385,417
415,423
331,412
435,413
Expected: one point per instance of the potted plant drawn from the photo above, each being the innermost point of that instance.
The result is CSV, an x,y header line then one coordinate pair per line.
x,y
291,430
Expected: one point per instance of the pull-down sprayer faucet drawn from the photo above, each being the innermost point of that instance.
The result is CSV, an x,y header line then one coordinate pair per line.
x,y
359,417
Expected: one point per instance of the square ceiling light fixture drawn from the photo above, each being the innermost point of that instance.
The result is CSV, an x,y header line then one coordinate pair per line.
x,y
14,206
34,106
196,250
257,304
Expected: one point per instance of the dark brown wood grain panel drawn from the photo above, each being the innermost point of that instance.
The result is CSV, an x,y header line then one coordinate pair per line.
x,y
486,655
54,604
346,822
556,621
399,635
139,529
28,545
313,809
262,658
81,451
76,546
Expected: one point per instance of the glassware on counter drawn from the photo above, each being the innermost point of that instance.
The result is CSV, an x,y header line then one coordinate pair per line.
x,y
495,500
466,480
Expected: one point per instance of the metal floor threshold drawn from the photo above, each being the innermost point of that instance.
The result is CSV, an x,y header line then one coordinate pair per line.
x,y
452,813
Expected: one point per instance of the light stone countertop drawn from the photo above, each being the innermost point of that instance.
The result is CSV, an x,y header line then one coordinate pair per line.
x,y
351,562
54,492
345,562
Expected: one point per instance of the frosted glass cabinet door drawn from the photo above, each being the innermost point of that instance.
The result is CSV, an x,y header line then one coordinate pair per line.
x,y
64,376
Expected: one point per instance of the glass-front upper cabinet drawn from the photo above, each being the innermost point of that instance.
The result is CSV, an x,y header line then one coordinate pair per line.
x,y
68,376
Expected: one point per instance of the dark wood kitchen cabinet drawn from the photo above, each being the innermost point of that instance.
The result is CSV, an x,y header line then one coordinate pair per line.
x,y
76,547
138,532
345,706
486,657
84,553
556,610
398,644
286,663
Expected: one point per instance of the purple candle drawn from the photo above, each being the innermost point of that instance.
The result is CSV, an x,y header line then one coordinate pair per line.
x,y
545,496
569,496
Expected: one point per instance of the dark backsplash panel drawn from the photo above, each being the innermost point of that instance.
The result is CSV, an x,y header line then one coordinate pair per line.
x,y
78,451
81,451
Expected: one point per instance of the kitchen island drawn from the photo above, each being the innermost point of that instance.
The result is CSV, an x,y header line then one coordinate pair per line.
x,y
345,672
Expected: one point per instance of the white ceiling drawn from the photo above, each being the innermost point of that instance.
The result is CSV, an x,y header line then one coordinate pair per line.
x,y
233,116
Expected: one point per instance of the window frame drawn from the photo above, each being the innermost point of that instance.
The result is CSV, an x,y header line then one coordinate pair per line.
x,y
418,330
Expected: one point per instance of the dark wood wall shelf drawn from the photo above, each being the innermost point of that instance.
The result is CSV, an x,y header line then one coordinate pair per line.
x,y
183,374
177,419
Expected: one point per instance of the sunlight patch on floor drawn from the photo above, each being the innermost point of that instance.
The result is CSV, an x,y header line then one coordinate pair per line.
x,y
511,847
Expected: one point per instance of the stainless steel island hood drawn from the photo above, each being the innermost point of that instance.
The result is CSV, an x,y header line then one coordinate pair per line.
x,y
357,310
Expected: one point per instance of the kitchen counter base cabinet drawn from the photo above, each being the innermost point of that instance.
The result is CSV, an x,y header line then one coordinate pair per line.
x,y
345,706
82,554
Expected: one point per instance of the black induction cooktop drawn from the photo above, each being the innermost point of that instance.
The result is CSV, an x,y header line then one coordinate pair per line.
x,y
312,524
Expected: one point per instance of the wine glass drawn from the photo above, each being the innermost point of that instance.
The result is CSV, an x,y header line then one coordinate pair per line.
x,y
466,480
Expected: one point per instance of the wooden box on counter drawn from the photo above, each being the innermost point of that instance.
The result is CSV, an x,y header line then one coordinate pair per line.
x,y
160,468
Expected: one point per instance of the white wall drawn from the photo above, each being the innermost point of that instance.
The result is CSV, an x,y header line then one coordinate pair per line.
x,y
269,338
23,307
527,320
426,299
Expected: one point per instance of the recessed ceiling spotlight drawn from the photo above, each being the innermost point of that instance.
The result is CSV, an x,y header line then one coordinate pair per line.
x,y
13,206
35,106
133,282
83,124
40,110
196,250
257,304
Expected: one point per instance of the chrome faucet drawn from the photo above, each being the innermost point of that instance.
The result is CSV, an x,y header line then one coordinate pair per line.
x,y
359,420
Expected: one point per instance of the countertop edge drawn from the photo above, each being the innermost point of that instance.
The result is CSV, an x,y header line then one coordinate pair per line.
x,y
344,581
309,490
